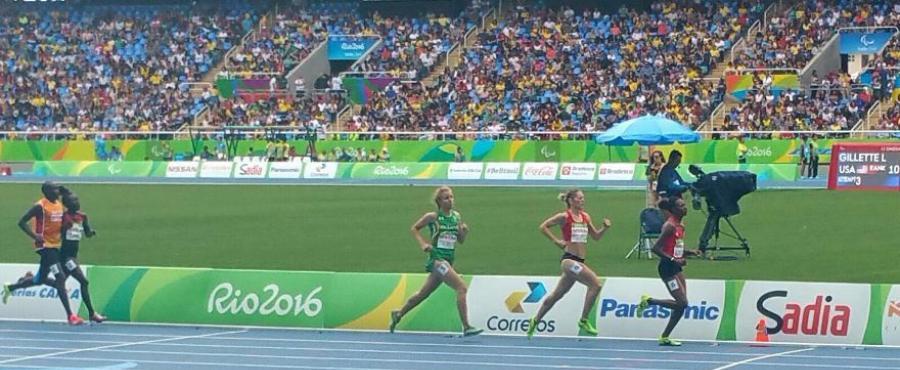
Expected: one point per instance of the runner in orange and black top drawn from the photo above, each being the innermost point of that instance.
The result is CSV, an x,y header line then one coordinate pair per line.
x,y
75,226
670,249
46,228
576,227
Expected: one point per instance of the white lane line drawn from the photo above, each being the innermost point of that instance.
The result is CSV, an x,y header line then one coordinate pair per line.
x,y
182,364
170,339
763,357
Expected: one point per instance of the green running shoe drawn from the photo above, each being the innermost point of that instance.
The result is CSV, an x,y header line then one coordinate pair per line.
x,y
472,331
532,326
666,341
585,325
6,293
395,319
645,302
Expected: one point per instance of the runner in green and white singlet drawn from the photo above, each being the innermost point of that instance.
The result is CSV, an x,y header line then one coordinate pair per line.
x,y
444,234
447,229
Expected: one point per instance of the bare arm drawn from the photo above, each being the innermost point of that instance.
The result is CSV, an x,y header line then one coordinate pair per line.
x,y
462,231
424,220
34,212
556,219
596,233
88,230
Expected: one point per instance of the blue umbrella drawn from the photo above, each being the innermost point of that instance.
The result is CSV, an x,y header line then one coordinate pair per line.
x,y
648,130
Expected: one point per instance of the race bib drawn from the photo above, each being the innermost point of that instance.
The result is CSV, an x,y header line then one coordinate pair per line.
x,y
75,233
679,248
672,285
447,241
579,233
71,265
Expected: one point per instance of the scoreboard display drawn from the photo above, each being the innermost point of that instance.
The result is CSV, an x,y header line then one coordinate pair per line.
x,y
865,166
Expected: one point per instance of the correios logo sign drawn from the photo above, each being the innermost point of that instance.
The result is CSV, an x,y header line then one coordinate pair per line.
x,y
226,299
505,304
804,312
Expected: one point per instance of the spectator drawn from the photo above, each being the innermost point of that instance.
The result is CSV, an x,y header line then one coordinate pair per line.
x,y
670,184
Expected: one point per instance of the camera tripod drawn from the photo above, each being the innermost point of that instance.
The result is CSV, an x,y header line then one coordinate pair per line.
x,y
714,220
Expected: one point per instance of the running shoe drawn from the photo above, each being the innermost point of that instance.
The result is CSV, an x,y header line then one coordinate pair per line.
x,y
666,341
472,331
6,293
28,277
645,302
395,319
75,320
98,318
586,326
532,326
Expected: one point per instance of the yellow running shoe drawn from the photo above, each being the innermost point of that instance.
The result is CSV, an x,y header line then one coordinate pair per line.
x,y
666,341
642,305
6,293
532,326
585,325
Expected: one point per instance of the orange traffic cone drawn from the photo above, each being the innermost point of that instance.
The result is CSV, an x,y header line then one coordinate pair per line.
x,y
762,336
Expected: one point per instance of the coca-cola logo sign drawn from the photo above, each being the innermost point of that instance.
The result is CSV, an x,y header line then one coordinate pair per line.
x,y
539,171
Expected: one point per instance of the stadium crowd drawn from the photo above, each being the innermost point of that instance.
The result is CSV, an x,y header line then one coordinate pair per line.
x,y
111,67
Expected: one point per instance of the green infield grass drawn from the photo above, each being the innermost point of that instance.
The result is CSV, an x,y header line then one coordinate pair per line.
x,y
804,235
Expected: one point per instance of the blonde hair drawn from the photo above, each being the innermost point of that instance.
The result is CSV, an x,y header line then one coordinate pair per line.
x,y
437,194
567,196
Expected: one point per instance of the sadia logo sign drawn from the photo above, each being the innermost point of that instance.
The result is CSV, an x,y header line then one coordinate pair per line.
x,y
819,317
514,301
252,170
804,312
890,328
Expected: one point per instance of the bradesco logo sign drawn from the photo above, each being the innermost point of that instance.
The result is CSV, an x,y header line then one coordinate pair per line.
x,y
539,171
250,170
501,171
465,171
890,327
616,171
182,169
804,312
617,314
320,170
505,304
577,171
285,170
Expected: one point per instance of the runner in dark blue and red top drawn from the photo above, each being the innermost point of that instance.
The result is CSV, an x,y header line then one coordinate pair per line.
x,y
75,226
670,249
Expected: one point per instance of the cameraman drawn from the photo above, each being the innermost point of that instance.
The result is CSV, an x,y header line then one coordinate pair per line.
x,y
670,184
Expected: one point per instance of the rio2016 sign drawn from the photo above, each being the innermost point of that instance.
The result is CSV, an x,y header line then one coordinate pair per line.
x,y
341,47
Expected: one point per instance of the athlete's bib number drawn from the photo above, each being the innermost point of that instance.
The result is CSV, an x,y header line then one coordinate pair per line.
x,y
75,233
679,248
447,241
579,233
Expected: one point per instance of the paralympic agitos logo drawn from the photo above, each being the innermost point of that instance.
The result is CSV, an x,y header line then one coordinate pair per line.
x,y
820,317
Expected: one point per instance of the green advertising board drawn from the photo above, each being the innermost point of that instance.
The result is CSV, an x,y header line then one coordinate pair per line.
x,y
100,168
708,151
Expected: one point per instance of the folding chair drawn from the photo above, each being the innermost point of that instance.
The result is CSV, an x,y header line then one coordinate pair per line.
x,y
652,220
